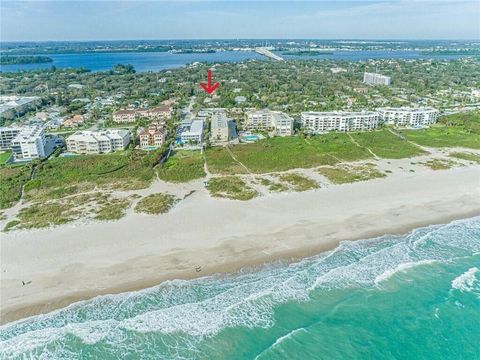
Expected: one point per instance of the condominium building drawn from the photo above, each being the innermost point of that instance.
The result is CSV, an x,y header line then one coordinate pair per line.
x,y
98,142
156,113
153,136
409,117
124,116
12,105
266,120
194,134
7,134
131,115
219,128
283,124
29,143
321,122
376,79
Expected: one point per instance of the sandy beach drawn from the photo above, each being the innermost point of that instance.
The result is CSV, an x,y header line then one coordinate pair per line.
x,y
203,235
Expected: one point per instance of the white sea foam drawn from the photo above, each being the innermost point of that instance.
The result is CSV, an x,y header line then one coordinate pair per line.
x,y
287,336
403,267
279,341
191,310
467,282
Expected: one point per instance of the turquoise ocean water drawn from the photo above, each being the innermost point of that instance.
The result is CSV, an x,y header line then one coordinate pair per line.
x,y
415,296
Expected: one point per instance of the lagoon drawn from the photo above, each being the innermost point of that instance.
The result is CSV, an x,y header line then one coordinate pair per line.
x,y
156,61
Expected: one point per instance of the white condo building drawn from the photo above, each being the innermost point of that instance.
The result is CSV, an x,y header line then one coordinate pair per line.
x,y
321,122
376,79
266,120
219,127
7,134
409,117
195,134
98,142
29,143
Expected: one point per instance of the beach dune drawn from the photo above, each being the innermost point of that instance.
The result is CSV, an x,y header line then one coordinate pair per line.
x,y
203,235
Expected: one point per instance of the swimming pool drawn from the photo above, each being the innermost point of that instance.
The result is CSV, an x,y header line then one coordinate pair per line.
x,y
250,137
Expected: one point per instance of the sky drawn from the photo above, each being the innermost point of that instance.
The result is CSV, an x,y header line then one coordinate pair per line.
x,y
226,19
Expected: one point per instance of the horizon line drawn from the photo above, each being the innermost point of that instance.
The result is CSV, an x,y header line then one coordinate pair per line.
x,y
242,39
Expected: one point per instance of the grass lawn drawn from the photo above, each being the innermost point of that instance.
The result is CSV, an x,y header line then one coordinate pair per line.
x,y
466,156
469,121
156,204
285,153
387,145
219,161
230,187
63,176
11,182
4,156
444,136
183,166
298,182
348,174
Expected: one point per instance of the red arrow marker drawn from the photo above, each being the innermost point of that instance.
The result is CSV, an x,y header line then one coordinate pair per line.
x,y
209,88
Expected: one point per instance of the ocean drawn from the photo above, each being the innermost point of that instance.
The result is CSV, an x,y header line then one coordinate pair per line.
x,y
414,296
155,61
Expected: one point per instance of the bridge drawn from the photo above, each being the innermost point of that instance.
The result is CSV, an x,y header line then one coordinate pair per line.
x,y
268,53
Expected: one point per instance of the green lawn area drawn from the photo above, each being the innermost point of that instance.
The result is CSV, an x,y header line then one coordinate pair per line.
x,y
220,161
183,166
444,136
4,156
285,153
470,121
156,204
387,145
64,176
11,181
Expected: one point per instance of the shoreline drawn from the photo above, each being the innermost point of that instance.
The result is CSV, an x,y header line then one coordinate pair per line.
x,y
70,263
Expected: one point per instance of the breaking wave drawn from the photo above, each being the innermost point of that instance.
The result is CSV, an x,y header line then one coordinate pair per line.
x,y
468,281
185,313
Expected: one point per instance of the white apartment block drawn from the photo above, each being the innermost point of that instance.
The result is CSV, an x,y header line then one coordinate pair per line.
x,y
321,122
29,143
195,134
98,142
376,79
267,120
408,117
219,128
7,134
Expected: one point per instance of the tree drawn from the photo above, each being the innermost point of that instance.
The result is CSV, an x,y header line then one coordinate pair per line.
x,y
124,69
